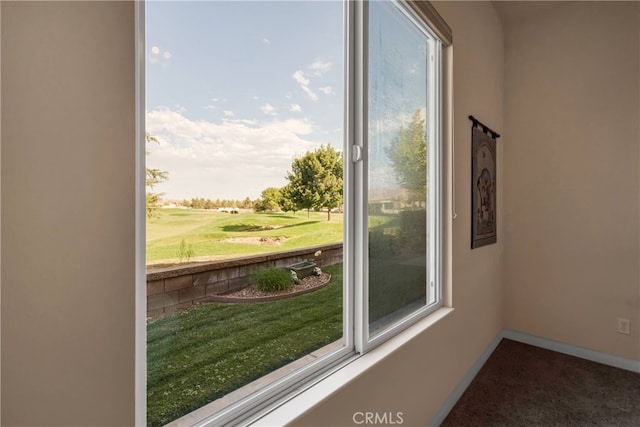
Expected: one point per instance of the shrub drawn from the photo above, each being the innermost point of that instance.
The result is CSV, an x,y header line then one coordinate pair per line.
x,y
273,279
185,251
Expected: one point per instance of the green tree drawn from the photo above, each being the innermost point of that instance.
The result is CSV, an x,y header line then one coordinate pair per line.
x,y
209,204
315,180
246,203
153,178
198,203
287,203
269,201
408,156
271,197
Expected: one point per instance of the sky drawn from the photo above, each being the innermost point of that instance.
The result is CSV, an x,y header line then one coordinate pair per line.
x,y
236,90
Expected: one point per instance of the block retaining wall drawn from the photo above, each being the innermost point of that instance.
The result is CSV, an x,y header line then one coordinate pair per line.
x,y
178,288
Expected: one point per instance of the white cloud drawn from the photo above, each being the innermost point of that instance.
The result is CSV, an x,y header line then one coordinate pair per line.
x,y
268,109
228,113
266,41
167,55
296,108
300,77
241,121
319,68
327,90
232,159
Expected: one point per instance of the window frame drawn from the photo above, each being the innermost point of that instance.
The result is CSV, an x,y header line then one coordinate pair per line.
x,y
140,386
415,13
355,294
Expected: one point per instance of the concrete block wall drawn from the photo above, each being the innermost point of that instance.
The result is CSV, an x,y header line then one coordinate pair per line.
x,y
179,288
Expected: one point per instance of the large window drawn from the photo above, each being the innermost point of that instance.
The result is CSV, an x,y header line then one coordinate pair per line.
x,y
238,94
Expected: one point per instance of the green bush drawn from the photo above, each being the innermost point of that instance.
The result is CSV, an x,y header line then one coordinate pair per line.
x,y
273,279
185,252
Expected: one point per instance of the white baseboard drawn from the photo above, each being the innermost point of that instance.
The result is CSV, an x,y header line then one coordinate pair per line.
x,y
560,347
572,350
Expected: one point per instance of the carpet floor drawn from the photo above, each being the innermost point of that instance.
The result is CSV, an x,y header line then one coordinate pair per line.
x,y
523,385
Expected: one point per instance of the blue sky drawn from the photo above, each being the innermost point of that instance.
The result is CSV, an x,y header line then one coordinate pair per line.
x,y
236,90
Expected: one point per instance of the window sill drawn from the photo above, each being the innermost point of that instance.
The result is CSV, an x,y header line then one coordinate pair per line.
x,y
302,402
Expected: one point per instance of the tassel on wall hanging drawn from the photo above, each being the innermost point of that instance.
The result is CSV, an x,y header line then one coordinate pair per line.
x,y
484,221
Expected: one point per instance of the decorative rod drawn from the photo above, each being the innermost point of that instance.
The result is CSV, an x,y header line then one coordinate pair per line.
x,y
484,127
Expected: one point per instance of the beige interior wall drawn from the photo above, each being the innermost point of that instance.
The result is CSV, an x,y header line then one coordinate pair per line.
x,y
572,182
418,377
68,213
571,185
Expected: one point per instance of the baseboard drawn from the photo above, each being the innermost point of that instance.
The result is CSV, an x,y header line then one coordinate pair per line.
x,y
450,402
549,344
572,350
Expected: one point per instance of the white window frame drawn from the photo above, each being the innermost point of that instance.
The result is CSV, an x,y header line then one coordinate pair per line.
x,y
140,220
364,340
355,293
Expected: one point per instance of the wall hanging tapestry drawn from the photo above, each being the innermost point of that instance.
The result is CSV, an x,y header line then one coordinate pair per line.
x,y
483,185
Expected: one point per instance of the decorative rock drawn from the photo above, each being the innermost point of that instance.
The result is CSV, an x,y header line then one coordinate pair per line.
x,y
294,276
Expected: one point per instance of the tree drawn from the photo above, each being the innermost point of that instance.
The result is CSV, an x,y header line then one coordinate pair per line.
x,y
315,180
198,203
246,203
408,156
153,178
270,200
287,202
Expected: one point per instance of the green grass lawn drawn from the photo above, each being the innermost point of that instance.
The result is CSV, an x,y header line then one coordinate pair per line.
x,y
199,355
207,233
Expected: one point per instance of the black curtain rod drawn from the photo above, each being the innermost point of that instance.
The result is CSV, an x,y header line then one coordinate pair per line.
x,y
484,127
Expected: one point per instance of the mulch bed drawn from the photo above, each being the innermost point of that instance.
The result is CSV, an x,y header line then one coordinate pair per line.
x,y
252,294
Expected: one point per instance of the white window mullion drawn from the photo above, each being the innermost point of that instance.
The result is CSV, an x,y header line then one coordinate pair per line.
x,y
433,175
358,104
438,182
